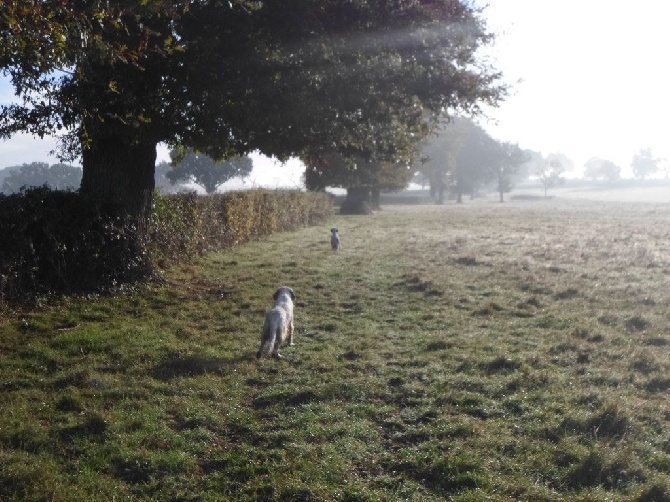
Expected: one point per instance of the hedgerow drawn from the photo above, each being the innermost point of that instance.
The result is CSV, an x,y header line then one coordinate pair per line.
x,y
188,225
56,242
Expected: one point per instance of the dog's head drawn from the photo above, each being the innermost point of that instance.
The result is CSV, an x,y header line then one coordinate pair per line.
x,y
284,290
334,230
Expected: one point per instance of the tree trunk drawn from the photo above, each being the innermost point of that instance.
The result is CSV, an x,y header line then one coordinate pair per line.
x,y
118,171
357,201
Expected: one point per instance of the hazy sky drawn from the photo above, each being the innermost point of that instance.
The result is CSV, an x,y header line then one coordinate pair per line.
x,y
595,80
590,78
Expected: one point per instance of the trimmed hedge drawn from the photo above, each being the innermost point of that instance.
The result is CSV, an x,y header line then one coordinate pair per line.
x,y
187,225
56,242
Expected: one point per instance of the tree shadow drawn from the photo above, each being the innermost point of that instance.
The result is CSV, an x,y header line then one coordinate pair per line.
x,y
180,365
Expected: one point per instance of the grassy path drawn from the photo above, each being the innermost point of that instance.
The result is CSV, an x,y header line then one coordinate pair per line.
x,y
476,352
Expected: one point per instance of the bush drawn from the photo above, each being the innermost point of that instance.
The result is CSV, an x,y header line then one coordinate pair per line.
x,y
57,242
186,225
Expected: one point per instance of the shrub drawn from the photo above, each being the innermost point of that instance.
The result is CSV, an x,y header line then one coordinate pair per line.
x,y
185,226
56,242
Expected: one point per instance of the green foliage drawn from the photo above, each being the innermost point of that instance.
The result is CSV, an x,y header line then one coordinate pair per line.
x,y
186,225
59,242
366,73
461,156
227,78
332,169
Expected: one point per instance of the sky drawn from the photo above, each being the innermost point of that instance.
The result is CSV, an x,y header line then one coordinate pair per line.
x,y
589,79
593,77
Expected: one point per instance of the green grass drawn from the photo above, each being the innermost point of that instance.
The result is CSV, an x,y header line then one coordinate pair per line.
x,y
476,352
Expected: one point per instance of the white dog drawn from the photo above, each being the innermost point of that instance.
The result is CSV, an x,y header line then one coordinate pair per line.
x,y
278,324
334,239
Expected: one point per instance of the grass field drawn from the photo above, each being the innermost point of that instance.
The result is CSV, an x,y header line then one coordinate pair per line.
x,y
464,352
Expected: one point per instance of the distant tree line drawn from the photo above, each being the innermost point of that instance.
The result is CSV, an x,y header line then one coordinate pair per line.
x,y
462,158
169,177
36,174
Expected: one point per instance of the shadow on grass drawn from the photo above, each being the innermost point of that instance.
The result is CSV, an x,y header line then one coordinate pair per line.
x,y
598,469
444,476
286,398
94,427
179,365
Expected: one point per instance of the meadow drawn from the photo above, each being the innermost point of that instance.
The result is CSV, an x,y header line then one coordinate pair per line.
x,y
483,351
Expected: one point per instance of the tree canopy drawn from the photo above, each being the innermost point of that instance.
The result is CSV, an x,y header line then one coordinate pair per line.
x,y
363,179
114,78
598,168
506,164
550,173
460,156
204,171
334,170
644,163
36,174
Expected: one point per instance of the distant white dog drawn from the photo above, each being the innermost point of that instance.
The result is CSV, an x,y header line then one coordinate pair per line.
x,y
334,239
278,324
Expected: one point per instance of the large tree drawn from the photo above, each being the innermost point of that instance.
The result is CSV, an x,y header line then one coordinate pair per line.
x,y
459,157
226,77
364,180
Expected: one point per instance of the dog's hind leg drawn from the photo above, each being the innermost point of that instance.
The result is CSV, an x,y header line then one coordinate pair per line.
x,y
290,332
277,344
265,350
268,341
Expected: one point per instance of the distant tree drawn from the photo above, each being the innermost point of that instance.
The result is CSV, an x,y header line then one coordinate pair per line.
x,y
363,180
206,172
509,160
162,183
531,166
64,177
566,162
550,174
5,173
459,157
644,163
597,168
420,177
35,174
610,171
475,161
